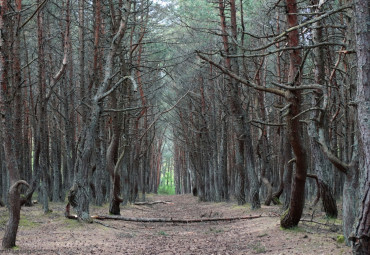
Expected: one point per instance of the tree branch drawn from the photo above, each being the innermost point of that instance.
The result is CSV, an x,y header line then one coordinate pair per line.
x,y
340,165
240,79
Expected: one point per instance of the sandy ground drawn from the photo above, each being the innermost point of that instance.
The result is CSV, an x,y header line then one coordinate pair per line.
x,y
54,234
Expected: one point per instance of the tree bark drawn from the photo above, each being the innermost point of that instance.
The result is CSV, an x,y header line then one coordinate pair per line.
x,y
362,28
294,127
7,128
320,120
14,215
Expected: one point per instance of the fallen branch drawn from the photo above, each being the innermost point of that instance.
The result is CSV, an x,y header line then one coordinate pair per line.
x,y
154,202
167,220
320,223
105,225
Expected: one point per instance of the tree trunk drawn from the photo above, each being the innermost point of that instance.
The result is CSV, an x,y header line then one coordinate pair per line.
x,y
42,113
14,215
294,128
320,119
362,28
7,127
79,193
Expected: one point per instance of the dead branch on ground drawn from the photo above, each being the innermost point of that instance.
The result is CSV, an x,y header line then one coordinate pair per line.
x,y
153,203
171,220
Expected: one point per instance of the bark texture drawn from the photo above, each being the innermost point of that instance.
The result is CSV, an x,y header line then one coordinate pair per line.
x,y
294,128
362,28
11,229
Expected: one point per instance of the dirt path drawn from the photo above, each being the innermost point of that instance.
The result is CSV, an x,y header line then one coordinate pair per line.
x,y
53,234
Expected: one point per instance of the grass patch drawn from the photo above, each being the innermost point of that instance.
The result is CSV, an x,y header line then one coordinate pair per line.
x,y
215,230
27,223
4,220
23,222
296,229
126,235
258,248
71,224
245,206
162,233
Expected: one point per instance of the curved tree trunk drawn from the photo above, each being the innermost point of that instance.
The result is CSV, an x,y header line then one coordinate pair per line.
x,y
14,215
324,192
79,193
328,201
294,128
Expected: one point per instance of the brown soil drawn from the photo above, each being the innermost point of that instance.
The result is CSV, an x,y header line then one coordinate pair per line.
x,y
54,234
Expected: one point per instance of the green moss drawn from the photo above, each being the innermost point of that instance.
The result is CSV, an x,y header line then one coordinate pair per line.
x,y
26,223
284,214
15,248
340,239
276,201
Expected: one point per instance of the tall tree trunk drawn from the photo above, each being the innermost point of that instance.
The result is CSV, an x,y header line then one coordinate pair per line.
x,y
79,193
112,154
294,128
320,164
362,28
8,125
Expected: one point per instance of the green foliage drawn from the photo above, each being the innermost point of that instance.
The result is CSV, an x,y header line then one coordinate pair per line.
x,y
166,190
276,201
340,239
167,185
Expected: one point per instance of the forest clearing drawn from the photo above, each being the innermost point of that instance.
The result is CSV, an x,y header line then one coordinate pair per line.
x,y
54,234
252,115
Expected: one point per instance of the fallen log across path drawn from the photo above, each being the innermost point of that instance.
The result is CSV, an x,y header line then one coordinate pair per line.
x,y
153,203
171,220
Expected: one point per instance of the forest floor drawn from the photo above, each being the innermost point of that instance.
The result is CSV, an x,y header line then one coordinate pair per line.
x,y
54,234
